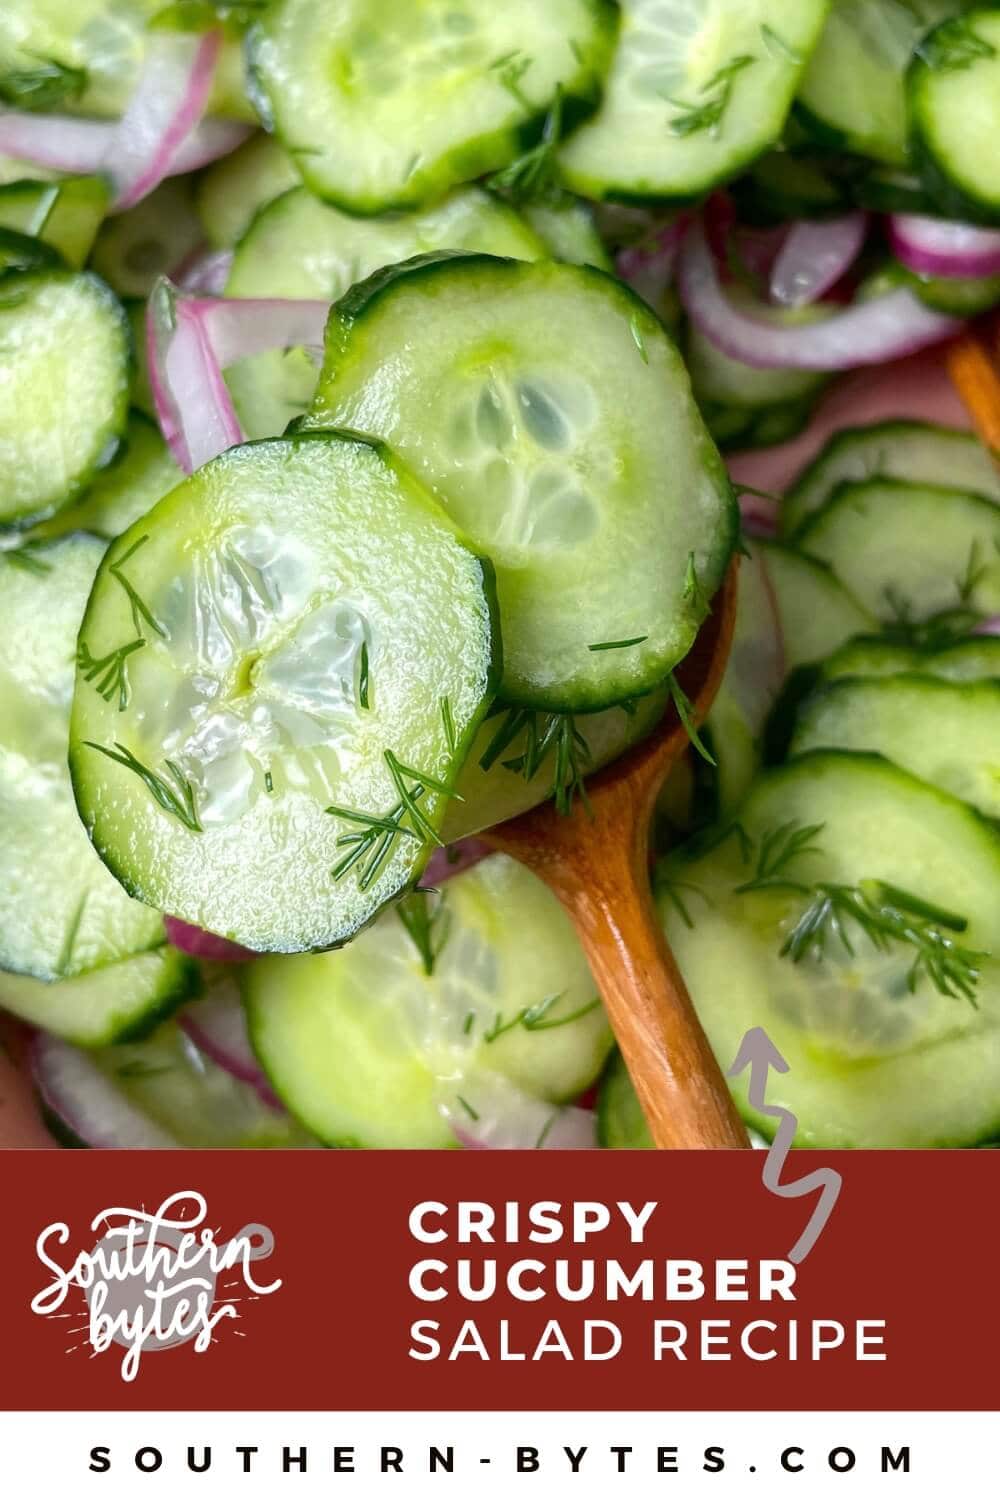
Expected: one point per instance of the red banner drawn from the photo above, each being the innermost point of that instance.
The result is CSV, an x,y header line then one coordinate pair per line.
x,y
900,1292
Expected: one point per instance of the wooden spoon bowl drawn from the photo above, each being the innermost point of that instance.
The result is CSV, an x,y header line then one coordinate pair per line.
x,y
597,863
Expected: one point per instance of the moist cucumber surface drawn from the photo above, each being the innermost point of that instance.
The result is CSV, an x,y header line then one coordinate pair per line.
x,y
62,914
300,247
65,215
697,89
383,108
122,1001
64,355
142,472
915,451
877,1056
230,193
365,1046
134,249
317,650
954,100
545,406
817,613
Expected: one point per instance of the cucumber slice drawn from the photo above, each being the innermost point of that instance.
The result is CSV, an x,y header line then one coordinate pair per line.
x,y
66,214
315,637
621,1124
505,775
61,912
954,96
909,552
142,474
728,382
961,296
915,451
231,192
547,408
817,613
745,428
566,227
364,1045
853,93
63,389
871,1064
947,733
382,108
697,89
299,247
159,1094
874,656
122,1001
136,248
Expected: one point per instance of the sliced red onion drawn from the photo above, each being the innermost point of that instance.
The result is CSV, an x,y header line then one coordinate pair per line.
x,y
760,515
204,272
79,1094
487,1113
865,333
201,944
815,254
444,863
990,626
169,99
649,267
82,147
193,406
940,247
217,1026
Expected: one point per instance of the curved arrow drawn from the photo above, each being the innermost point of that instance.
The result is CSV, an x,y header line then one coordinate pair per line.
x,y
758,1053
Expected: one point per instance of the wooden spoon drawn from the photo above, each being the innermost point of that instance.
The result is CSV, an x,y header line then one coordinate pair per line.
x,y
598,866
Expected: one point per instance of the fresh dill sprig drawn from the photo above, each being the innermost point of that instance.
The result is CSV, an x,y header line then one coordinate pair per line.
x,y
546,736
953,47
364,678
140,610
888,915
973,575
667,886
373,846
428,927
694,594
268,782
382,830
27,559
777,849
778,47
537,1017
140,1069
685,712
72,933
178,800
473,1114
533,175
932,634
448,720
42,86
379,823
710,112
399,772
640,342
510,69
633,640
111,671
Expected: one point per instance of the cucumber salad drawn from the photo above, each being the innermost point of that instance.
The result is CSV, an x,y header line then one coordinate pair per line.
x,y
375,381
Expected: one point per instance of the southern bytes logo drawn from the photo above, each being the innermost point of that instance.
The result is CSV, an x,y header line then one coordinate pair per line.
x,y
153,1281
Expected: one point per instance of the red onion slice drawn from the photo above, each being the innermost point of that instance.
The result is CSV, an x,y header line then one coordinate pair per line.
x,y
169,99
760,515
82,147
649,267
198,943
814,256
493,1115
217,1026
445,863
865,333
940,247
78,1093
204,272
990,626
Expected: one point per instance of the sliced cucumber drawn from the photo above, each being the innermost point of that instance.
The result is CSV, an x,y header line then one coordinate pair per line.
x,y
317,653
517,760
383,108
745,428
697,89
141,474
61,913
63,389
728,382
874,656
872,1062
909,552
947,733
230,193
299,247
136,248
954,96
566,227
961,296
364,1045
159,1094
547,408
817,613
913,451
853,92
122,1001
621,1124
66,214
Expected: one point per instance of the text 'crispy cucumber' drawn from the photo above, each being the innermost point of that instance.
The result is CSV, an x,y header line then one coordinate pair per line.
x,y
304,649
61,913
300,247
914,451
157,1095
66,215
948,733
64,353
697,89
954,96
874,656
546,407
122,1001
853,93
878,1056
365,1046
383,107
910,551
